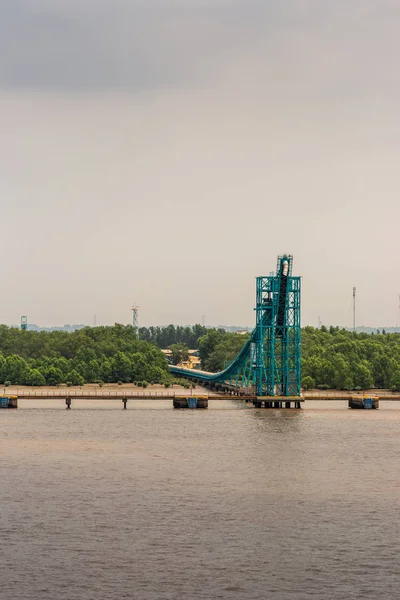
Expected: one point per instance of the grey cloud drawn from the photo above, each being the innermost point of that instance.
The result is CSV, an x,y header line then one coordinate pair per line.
x,y
142,44
280,134
116,44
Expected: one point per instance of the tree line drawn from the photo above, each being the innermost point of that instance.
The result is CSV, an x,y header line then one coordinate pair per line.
x,y
332,358
344,360
164,337
88,355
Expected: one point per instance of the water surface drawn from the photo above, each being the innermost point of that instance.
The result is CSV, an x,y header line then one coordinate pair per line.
x,y
98,503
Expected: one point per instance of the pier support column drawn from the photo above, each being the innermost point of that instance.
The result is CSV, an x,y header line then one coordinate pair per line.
x,y
124,400
287,404
192,402
68,403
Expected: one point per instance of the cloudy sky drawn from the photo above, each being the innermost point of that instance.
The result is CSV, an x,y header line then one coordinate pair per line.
x,y
164,152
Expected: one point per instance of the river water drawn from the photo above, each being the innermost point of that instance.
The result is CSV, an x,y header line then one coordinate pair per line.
x,y
97,503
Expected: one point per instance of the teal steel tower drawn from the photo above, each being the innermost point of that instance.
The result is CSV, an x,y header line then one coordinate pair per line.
x,y
278,332
269,364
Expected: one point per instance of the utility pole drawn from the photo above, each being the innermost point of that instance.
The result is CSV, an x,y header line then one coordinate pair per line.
x,y
354,309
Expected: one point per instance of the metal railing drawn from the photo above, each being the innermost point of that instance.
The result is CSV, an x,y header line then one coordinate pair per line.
x,y
100,394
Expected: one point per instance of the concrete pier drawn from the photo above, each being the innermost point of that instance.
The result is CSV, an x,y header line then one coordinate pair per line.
x,y
281,402
191,402
9,402
364,402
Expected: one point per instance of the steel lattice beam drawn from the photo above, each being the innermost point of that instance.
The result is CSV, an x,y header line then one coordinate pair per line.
x,y
270,360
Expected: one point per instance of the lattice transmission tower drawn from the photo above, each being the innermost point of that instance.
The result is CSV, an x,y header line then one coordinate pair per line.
x,y
135,319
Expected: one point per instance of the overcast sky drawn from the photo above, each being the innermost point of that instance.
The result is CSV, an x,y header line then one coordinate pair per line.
x,y
164,152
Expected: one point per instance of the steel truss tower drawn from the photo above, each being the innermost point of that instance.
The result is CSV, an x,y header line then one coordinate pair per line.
x,y
135,319
278,332
269,361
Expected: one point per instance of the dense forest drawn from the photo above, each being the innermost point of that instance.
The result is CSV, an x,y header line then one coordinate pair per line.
x,y
331,358
92,354
164,337
341,359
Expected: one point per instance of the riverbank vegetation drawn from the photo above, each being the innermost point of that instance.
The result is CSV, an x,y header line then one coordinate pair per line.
x,y
332,358
341,359
89,355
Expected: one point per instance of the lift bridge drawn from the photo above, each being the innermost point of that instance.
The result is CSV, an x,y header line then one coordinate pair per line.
x,y
269,364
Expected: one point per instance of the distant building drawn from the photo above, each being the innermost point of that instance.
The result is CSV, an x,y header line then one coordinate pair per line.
x,y
192,363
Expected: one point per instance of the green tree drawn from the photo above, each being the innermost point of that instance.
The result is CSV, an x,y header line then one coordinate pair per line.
x,y
362,376
122,368
218,348
308,382
179,353
75,378
53,376
395,381
208,343
15,370
35,377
